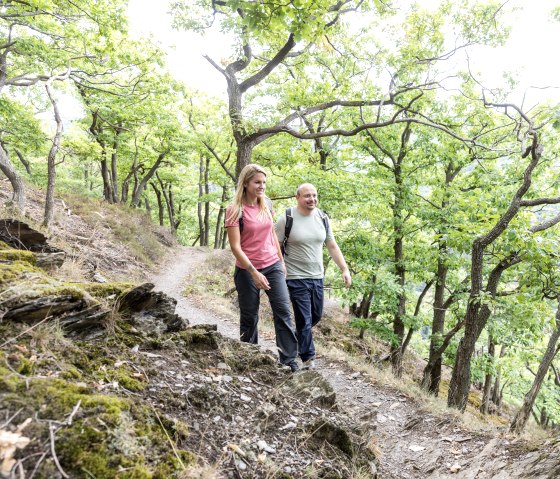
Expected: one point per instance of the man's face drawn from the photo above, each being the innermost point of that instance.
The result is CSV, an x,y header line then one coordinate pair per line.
x,y
307,198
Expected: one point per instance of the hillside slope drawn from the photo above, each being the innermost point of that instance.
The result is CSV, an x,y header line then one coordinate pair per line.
x,y
114,379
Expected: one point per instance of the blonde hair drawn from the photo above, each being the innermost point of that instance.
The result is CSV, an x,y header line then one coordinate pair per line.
x,y
240,195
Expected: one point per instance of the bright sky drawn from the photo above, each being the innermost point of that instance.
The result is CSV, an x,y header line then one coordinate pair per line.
x,y
529,53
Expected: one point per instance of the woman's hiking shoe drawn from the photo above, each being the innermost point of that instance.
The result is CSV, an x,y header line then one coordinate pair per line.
x,y
309,364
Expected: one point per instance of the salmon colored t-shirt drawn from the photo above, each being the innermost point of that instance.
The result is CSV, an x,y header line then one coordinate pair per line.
x,y
257,238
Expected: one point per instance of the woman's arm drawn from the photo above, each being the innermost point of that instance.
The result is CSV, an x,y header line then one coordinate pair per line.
x,y
235,243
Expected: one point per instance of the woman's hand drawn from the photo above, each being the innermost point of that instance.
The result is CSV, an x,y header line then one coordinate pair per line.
x,y
260,280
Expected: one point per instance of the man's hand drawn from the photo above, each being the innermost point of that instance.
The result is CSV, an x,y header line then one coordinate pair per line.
x,y
346,278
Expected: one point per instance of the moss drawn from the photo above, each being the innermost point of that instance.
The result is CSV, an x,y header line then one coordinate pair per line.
x,y
104,290
25,366
123,377
13,271
109,437
71,373
8,380
23,256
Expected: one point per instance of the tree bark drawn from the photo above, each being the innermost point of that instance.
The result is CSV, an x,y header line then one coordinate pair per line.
x,y
159,202
18,195
51,161
199,208
114,169
206,204
221,213
486,392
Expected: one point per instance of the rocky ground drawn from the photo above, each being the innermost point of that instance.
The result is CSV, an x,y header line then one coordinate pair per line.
x,y
121,383
409,441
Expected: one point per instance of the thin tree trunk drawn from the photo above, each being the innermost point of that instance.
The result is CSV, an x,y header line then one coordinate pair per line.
x,y
24,162
51,161
114,169
520,419
159,202
206,204
18,195
142,184
221,212
486,392
201,234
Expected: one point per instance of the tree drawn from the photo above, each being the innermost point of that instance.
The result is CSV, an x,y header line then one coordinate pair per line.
x,y
42,41
478,307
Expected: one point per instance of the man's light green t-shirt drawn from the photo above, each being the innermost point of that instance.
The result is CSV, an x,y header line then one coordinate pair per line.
x,y
304,251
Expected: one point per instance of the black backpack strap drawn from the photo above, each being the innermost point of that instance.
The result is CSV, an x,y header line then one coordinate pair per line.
x,y
287,229
268,202
324,219
240,219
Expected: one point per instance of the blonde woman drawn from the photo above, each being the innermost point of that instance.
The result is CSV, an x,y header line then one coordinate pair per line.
x,y
259,264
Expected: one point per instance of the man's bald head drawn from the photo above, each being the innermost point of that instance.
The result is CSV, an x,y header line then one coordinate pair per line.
x,y
306,197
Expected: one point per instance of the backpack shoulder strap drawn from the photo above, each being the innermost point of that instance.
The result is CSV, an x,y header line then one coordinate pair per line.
x,y
240,219
287,229
324,218
289,223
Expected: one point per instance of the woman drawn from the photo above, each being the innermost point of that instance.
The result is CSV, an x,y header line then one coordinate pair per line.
x,y
259,264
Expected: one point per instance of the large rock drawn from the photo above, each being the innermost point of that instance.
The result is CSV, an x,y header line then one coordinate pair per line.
x,y
152,311
20,235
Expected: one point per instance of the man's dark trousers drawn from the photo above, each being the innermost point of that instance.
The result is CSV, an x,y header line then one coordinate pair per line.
x,y
249,300
307,300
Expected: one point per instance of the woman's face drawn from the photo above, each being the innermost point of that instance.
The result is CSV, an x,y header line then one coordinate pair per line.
x,y
254,188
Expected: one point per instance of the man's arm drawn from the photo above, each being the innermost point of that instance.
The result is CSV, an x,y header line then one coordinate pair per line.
x,y
336,255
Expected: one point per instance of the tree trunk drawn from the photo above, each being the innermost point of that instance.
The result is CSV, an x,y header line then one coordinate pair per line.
x,y
18,195
486,392
496,392
201,232
520,419
142,184
432,372
107,185
114,170
221,213
159,202
51,162
474,323
206,205
400,270
244,154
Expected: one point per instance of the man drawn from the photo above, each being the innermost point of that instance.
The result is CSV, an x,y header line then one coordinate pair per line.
x,y
304,264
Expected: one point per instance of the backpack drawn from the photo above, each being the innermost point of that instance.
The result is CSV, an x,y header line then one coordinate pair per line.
x,y
268,202
290,222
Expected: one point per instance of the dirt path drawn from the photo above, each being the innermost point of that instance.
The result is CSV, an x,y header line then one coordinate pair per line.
x,y
412,443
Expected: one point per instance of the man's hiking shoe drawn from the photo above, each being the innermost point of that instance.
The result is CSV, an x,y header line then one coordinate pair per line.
x,y
294,366
309,364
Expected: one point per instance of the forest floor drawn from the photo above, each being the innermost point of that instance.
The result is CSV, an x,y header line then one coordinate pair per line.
x,y
411,441
415,436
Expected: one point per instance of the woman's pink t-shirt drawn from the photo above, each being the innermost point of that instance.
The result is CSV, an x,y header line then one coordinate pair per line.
x,y
257,240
